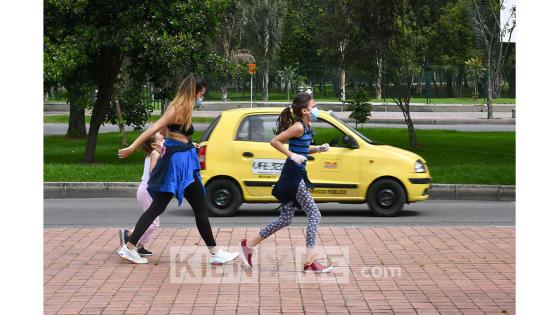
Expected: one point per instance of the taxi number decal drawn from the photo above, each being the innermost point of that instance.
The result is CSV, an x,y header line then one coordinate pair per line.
x,y
267,166
331,191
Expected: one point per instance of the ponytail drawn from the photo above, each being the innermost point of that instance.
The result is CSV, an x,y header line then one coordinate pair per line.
x,y
292,113
284,121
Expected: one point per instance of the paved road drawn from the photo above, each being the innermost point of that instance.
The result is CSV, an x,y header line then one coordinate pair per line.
x,y
60,129
123,212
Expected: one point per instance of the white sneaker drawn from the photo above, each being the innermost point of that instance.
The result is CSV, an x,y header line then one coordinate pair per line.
x,y
222,257
131,255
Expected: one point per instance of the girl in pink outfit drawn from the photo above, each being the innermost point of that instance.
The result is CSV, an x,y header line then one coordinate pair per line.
x,y
152,150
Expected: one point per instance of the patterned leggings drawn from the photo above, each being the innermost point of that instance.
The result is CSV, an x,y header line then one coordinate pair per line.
x,y
313,216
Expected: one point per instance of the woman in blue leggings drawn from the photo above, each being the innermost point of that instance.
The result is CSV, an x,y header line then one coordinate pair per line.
x,y
292,189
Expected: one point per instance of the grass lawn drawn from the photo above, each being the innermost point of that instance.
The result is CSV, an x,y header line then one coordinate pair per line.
x,y
453,157
63,119
456,157
330,96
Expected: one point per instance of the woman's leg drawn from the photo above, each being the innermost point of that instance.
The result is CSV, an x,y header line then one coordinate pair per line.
x,y
160,202
283,220
194,193
304,198
145,200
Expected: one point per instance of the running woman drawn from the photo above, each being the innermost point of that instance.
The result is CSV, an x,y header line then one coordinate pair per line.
x,y
176,173
292,188
152,151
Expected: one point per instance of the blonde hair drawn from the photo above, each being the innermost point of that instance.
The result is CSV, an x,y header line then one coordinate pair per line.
x,y
184,100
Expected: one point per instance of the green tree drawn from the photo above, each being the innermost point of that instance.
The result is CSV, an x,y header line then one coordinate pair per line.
x,y
300,43
288,75
67,63
491,31
373,25
264,22
454,43
475,71
337,29
230,57
162,38
361,109
404,52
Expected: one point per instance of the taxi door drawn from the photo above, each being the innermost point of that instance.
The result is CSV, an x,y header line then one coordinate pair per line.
x,y
335,173
258,164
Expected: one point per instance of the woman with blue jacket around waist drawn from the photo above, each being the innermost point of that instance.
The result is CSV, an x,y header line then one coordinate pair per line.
x,y
292,188
176,172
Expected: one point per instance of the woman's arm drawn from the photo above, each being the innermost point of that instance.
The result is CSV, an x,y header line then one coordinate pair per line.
x,y
165,120
296,130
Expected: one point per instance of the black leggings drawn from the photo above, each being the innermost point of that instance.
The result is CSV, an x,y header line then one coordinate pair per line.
x,y
194,194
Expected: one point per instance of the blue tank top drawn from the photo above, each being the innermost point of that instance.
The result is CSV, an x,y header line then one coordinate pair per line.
x,y
300,145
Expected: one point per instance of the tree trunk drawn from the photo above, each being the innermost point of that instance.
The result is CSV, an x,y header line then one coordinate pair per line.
x,y
265,81
164,105
111,60
434,84
77,119
489,88
449,85
459,84
342,84
120,121
411,134
223,88
405,108
378,80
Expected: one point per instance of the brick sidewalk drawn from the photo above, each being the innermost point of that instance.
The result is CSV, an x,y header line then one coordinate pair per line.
x,y
447,270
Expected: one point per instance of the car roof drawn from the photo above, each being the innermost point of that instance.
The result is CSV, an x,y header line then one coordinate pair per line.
x,y
263,110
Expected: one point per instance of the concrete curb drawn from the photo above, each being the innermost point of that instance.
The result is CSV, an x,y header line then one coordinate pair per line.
x,y
61,190
496,121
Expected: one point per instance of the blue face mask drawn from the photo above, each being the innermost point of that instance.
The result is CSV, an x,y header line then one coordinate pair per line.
x,y
314,114
198,102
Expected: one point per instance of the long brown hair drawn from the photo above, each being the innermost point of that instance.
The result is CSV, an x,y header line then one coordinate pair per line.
x,y
292,113
147,146
185,98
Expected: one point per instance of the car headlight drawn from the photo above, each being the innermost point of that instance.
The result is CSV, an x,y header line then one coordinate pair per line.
x,y
419,167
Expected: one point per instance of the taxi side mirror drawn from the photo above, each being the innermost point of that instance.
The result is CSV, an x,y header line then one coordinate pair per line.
x,y
350,142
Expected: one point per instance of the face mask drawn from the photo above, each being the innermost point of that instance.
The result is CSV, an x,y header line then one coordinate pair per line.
x,y
198,102
314,114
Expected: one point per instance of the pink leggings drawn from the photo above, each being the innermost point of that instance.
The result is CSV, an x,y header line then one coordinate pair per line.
x,y
145,200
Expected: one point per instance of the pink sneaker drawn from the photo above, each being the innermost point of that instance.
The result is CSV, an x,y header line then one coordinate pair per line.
x,y
317,268
247,254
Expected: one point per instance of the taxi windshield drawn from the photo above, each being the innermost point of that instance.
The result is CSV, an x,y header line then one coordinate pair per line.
x,y
359,134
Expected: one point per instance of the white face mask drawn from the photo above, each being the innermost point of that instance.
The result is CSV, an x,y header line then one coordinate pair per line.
x,y
314,113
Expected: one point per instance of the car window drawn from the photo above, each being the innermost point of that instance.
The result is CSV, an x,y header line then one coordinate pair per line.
x,y
258,128
210,129
325,132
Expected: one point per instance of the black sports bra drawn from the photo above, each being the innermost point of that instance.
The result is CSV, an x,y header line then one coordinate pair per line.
x,y
181,129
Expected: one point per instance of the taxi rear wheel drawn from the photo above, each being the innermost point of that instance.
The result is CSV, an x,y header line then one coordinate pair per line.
x,y
223,198
386,198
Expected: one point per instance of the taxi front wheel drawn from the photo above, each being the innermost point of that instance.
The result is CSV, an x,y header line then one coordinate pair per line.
x,y
386,198
223,198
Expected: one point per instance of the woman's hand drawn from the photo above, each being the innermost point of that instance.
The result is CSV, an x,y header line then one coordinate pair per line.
x,y
323,147
196,145
298,158
123,153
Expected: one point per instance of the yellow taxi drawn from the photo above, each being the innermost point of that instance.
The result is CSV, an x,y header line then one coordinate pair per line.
x,y
239,165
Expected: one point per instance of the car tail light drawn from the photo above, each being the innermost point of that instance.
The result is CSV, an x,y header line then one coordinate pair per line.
x,y
202,157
